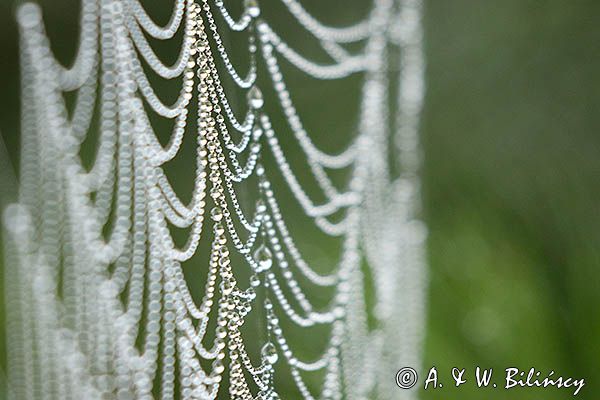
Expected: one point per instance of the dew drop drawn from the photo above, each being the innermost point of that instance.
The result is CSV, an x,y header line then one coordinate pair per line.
x,y
216,214
255,97
254,281
268,305
218,367
269,353
219,229
260,206
263,257
252,8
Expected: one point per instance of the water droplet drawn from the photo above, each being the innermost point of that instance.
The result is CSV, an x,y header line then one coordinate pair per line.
x,y
215,193
263,257
218,367
255,97
261,207
224,261
200,45
219,229
269,353
252,8
216,214
224,251
226,288
268,305
254,281
257,133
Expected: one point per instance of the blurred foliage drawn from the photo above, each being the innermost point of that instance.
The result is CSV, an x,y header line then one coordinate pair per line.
x,y
511,172
512,195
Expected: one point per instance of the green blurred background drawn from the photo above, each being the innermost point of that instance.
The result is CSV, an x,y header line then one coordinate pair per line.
x,y
510,177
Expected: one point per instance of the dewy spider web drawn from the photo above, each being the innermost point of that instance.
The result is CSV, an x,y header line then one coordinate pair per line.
x,y
95,315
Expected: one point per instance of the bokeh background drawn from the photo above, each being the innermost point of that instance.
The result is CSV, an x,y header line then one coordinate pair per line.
x,y
511,175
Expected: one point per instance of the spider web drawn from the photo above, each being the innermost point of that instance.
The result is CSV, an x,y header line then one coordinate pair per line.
x,y
101,303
